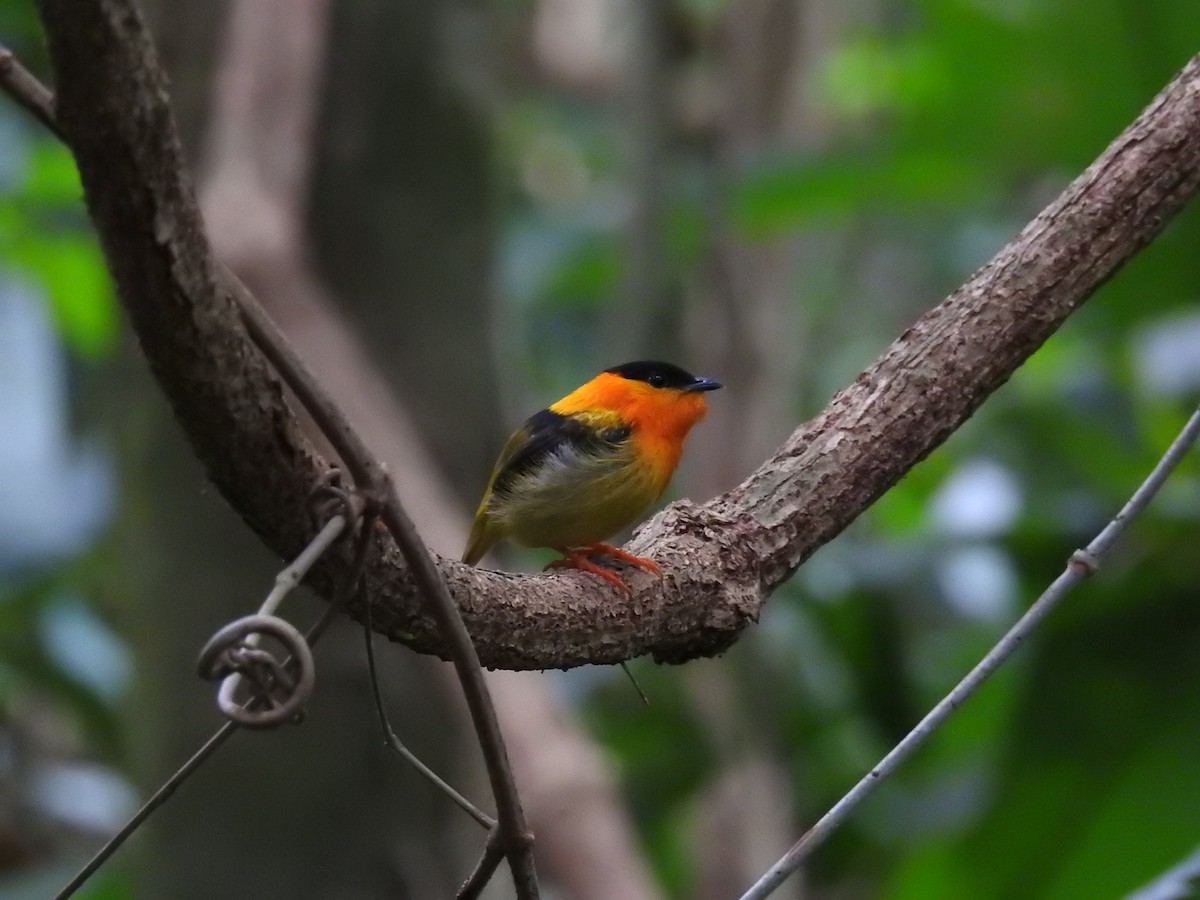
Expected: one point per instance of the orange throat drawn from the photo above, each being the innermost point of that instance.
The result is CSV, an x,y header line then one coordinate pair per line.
x,y
661,419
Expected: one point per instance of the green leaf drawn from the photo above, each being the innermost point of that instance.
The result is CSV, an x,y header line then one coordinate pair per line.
x,y
867,75
44,236
789,194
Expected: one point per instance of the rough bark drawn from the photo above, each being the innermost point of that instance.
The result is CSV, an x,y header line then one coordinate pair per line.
x,y
252,181
721,560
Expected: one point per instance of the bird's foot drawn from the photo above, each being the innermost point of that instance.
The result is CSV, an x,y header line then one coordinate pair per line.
x,y
578,558
639,562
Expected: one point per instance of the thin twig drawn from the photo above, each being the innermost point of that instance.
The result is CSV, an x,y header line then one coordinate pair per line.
x,y
637,687
389,733
289,578
164,793
397,745
377,482
161,796
1082,564
482,874
393,740
285,581
1180,882
518,839
23,86
372,480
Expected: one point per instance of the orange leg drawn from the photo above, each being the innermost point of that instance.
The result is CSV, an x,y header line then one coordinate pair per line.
x,y
577,558
639,562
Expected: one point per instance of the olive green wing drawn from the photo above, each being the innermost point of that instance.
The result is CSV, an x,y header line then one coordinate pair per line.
x,y
484,530
544,435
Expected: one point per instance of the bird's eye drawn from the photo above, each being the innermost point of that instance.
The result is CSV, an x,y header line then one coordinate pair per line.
x,y
657,380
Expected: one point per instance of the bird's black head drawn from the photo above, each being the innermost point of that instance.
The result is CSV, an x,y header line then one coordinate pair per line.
x,y
663,375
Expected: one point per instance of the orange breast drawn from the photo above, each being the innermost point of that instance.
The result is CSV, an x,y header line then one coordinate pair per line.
x,y
661,417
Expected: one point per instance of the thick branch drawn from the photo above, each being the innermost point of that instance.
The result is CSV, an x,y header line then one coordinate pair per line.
x,y
114,32
720,560
934,376
111,107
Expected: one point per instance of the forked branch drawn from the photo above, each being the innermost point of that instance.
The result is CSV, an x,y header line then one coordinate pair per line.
x,y
720,560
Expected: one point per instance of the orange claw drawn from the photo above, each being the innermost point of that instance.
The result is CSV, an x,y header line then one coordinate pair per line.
x,y
577,558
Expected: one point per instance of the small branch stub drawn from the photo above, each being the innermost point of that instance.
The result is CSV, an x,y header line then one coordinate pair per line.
x,y
1085,563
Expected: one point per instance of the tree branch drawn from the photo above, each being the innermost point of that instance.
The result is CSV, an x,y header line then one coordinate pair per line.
x,y
33,96
720,560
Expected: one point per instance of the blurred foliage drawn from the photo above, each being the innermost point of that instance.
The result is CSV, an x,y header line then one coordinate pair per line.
x,y
45,237
1073,774
33,670
62,671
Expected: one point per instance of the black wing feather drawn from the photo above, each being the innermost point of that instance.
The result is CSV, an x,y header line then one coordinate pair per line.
x,y
547,433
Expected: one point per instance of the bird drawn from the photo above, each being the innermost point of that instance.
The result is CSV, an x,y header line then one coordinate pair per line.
x,y
590,464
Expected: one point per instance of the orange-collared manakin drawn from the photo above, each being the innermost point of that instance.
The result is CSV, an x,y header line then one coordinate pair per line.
x,y
587,466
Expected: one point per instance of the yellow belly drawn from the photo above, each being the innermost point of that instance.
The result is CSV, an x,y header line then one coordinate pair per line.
x,y
577,506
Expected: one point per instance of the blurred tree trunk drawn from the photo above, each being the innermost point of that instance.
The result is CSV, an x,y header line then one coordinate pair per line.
x,y
271,815
263,819
422,185
402,214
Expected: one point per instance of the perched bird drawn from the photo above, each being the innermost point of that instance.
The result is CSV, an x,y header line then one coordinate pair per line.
x,y
578,472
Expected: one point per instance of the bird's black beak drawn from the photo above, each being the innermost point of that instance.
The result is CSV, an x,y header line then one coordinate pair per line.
x,y
702,384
